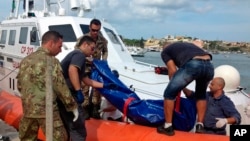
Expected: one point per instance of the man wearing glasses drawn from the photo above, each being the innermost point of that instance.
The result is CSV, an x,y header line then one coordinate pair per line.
x,y
91,106
73,67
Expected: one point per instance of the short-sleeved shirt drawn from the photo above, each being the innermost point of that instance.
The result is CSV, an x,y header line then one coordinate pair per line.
x,y
181,52
76,58
221,107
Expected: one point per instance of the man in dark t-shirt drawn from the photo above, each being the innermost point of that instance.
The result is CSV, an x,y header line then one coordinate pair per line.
x,y
220,109
73,66
76,58
185,62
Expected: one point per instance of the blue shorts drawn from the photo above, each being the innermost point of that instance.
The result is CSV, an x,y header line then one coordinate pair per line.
x,y
202,71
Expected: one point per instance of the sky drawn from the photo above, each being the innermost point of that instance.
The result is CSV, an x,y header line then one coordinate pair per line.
x,y
227,20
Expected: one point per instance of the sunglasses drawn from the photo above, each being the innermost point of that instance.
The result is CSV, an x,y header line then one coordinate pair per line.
x,y
95,30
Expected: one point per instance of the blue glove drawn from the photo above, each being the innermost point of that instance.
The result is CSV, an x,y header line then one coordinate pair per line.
x,y
79,97
110,86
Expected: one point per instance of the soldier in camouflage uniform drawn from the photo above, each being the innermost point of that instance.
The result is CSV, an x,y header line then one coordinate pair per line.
x,y
91,107
32,86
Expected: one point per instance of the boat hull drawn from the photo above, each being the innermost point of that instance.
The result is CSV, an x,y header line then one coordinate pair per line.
x,y
103,130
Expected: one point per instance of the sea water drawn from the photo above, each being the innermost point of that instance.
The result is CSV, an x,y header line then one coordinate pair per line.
x,y
241,62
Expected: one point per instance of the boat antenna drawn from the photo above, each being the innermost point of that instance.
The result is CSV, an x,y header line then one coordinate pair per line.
x,y
61,11
15,8
94,8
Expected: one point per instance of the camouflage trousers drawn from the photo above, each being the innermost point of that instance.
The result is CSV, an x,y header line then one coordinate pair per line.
x,y
28,128
87,90
96,96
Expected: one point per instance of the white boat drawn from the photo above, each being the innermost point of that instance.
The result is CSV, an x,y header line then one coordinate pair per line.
x,y
20,35
136,51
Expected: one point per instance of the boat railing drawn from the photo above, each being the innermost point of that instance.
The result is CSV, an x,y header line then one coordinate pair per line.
x,y
244,93
8,74
145,92
239,89
145,64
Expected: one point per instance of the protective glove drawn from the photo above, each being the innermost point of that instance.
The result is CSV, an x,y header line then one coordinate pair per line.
x,y
109,86
76,114
221,122
79,97
90,59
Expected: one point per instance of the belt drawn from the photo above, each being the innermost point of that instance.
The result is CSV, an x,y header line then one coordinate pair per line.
x,y
202,58
199,59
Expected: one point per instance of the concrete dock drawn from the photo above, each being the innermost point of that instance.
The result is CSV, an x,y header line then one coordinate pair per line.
x,y
6,130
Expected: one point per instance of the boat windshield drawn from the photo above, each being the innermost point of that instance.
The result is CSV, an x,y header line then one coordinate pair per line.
x,y
112,36
66,30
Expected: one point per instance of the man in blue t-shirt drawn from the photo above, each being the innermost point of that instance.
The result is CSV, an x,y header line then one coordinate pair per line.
x,y
220,109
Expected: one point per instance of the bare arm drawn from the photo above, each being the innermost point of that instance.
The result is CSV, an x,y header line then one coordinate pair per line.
x,y
187,92
92,83
231,120
171,68
74,77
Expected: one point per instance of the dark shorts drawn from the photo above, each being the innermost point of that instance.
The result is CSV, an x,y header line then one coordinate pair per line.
x,y
202,71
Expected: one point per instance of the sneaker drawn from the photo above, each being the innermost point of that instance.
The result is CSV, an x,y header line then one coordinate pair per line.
x,y
199,128
167,131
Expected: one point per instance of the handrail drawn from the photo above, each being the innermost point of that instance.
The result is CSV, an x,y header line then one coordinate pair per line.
x,y
244,93
143,91
239,89
8,73
145,64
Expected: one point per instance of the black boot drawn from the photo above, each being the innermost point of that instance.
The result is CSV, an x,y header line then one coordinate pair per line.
x,y
86,112
95,112
4,138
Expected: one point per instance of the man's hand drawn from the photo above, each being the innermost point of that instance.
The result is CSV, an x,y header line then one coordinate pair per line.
x,y
110,86
79,97
76,114
221,122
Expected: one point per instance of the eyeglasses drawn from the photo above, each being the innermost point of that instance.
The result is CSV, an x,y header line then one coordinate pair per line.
x,y
91,45
95,30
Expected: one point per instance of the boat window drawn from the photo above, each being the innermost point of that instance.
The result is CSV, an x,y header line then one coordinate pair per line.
x,y
112,36
34,40
65,30
10,59
12,37
1,66
23,35
3,37
84,28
